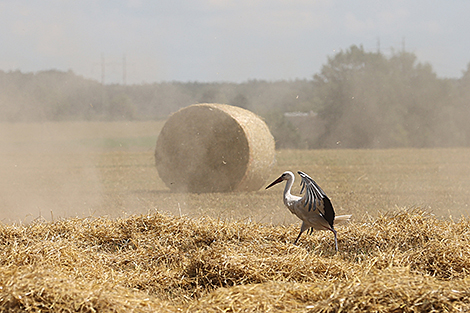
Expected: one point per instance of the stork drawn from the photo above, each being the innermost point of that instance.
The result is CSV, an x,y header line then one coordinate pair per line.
x,y
314,208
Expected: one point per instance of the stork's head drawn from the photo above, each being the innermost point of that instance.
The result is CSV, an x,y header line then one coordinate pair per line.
x,y
285,176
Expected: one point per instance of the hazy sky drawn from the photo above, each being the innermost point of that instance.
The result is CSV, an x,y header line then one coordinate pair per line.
x,y
224,40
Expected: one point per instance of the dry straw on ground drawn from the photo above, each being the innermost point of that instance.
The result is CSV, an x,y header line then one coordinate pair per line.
x,y
214,148
406,261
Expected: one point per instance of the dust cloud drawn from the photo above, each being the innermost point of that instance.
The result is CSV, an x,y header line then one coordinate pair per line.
x,y
68,169
53,170
80,169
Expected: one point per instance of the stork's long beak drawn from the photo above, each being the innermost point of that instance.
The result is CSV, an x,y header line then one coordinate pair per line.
x,y
277,181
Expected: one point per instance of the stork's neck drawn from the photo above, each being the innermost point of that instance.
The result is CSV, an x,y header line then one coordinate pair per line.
x,y
287,195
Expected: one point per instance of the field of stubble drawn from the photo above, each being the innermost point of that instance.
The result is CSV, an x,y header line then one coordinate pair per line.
x,y
88,226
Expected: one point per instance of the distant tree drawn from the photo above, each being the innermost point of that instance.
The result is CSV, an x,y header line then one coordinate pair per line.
x,y
346,92
370,101
461,109
284,133
363,100
121,108
240,100
421,100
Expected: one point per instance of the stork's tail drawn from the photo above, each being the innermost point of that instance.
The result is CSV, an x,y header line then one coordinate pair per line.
x,y
341,219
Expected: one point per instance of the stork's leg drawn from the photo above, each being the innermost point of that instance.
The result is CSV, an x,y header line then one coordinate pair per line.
x,y
303,228
298,237
336,239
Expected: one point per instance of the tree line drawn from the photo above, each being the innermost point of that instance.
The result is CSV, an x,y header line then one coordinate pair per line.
x,y
359,99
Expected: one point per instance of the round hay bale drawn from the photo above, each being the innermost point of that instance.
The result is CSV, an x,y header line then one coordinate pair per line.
x,y
214,148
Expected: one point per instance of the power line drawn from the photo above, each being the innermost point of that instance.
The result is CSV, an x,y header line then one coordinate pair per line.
x,y
103,64
124,69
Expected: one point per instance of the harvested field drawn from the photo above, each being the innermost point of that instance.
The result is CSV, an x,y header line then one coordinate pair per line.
x,y
404,261
88,226
69,169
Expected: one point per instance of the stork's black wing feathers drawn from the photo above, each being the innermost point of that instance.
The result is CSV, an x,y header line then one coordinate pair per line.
x,y
329,211
306,180
315,195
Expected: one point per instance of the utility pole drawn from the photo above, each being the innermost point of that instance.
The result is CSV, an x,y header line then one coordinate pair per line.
x,y
123,64
103,67
124,70
103,74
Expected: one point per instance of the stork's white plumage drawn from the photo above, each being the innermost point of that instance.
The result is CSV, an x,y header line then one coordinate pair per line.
x,y
314,208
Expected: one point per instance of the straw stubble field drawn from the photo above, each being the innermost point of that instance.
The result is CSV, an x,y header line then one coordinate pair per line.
x,y
169,252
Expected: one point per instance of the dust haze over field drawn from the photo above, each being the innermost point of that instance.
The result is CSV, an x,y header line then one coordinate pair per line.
x,y
141,247
57,169
80,169
364,100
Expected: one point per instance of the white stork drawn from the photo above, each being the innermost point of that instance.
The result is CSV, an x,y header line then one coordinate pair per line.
x,y
314,208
